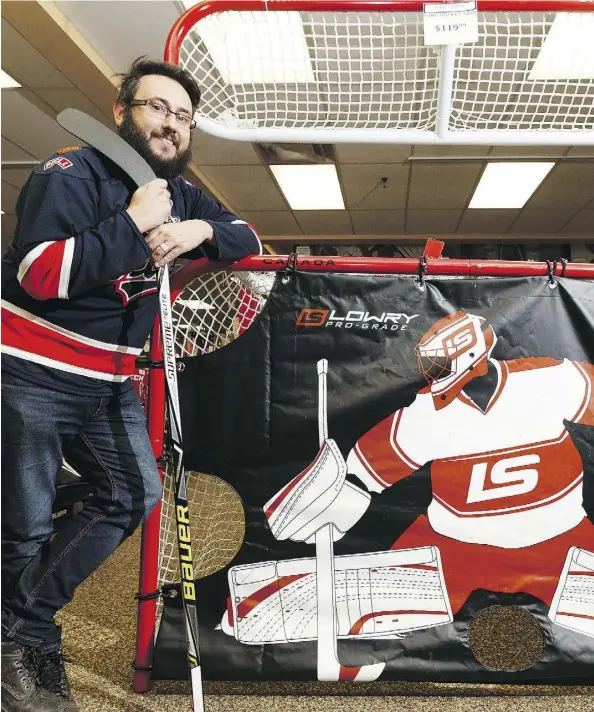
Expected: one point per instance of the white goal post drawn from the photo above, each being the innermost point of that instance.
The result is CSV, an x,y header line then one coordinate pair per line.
x,y
328,71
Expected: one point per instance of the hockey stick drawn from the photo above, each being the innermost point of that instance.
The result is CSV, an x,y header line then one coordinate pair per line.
x,y
123,155
329,666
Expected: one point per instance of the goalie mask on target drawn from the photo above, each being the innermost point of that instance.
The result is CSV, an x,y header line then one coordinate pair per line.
x,y
452,352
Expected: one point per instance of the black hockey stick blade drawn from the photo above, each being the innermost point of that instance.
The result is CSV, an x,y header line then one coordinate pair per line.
x,y
93,132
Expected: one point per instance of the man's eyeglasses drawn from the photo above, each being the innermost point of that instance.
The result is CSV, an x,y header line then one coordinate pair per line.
x,y
162,112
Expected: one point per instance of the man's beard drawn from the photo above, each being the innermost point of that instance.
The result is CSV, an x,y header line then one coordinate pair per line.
x,y
163,167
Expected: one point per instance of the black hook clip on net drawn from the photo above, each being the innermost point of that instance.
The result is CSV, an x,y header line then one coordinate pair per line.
x,y
290,268
563,266
552,268
419,282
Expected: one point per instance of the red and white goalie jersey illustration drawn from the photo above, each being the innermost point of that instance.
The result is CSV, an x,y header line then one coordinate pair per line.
x,y
505,473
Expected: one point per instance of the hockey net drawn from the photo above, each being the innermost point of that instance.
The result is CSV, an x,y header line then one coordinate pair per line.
x,y
351,74
213,309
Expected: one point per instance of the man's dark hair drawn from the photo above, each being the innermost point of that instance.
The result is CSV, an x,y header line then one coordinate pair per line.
x,y
143,65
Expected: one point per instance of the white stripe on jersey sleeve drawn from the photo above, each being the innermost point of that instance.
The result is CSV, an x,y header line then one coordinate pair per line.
x,y
243,222
30,257
66,268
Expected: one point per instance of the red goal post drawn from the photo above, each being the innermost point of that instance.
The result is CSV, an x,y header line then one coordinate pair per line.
x,y
213,305
328,71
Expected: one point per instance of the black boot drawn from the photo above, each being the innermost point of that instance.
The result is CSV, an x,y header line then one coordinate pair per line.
x,y
20,692
51,674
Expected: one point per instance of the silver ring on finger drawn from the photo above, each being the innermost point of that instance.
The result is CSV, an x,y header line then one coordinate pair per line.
x,y
164,247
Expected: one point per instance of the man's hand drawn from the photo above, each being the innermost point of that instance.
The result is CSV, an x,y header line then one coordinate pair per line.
x,y
150,205
169,241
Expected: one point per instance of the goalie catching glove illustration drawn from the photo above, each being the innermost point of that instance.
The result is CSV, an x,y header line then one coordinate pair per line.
x,y
318,496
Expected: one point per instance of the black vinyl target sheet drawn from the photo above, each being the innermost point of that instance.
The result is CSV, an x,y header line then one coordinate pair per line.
x,y
456,476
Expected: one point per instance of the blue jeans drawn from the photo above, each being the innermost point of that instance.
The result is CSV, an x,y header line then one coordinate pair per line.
x,y
106,441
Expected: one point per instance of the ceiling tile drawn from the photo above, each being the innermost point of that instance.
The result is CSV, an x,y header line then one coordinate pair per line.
x,y
432,222
324,222
581,224
439,151
446,186
9,196
26,125
523,151
363,189
213,151
272,222
568,185
28,66
378,222
531,222
60,99
17,177
12,152
371,153
581,151
477,222
246,187
133,28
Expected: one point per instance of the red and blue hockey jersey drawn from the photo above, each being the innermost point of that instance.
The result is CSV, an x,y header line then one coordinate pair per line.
x,y
78,295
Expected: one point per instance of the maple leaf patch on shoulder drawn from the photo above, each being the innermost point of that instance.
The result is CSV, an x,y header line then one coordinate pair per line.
x,y
62,162
136,284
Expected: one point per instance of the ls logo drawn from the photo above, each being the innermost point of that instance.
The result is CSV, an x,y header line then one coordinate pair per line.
x,y
460,341
506,478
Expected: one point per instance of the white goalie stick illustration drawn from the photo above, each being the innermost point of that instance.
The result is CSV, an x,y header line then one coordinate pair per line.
x,y
123,155
329,666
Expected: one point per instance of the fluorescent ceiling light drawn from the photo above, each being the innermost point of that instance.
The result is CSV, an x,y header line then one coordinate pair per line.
x,y
508,185
7,82
260,48
310,187
567,52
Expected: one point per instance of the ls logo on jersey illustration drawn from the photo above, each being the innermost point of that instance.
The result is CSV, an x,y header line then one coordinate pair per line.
x,y
136,284
507,478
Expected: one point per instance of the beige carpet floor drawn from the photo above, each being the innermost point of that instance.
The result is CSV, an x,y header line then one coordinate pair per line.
x,y
99,631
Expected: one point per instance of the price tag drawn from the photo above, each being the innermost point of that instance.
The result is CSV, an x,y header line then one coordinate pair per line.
x,y
450,23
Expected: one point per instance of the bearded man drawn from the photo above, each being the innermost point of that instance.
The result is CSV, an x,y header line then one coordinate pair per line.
x,y
79,300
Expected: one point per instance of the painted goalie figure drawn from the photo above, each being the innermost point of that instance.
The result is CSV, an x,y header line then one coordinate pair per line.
x,y
507,500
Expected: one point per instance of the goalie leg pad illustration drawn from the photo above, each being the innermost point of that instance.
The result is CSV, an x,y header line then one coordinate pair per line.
x,y
386,594
573,603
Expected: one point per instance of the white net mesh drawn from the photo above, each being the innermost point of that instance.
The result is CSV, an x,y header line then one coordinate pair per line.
x,y
302,70
210,312
499,82
289,69
214,310
217,525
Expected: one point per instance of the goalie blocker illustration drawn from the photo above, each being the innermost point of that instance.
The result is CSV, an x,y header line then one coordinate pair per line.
x,y
507,500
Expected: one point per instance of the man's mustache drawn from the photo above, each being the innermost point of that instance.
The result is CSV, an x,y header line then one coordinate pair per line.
x,y
169,135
